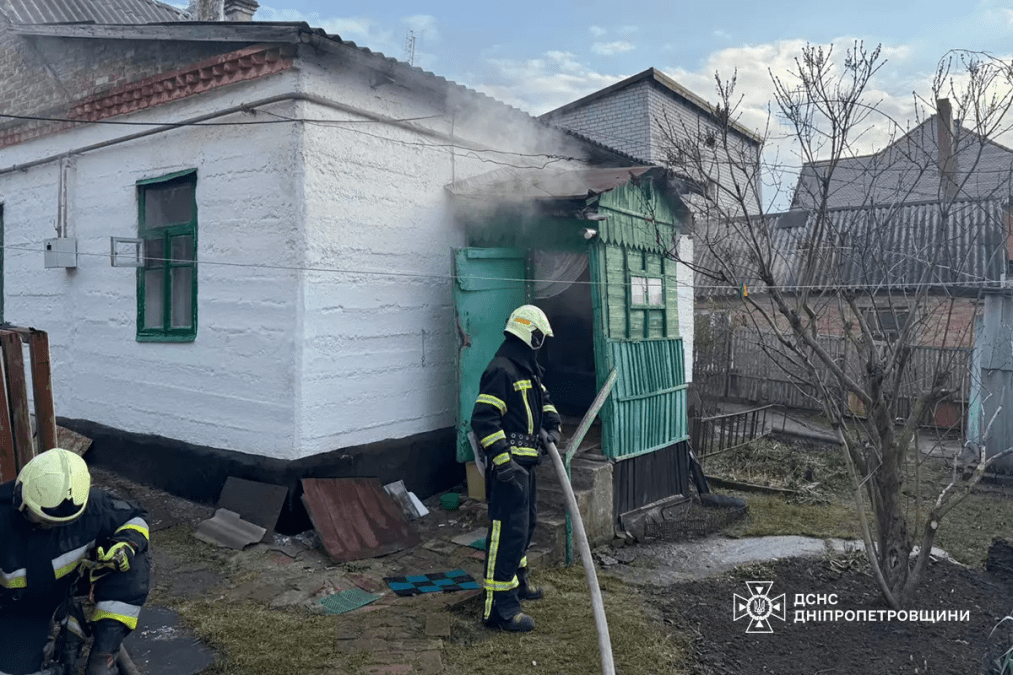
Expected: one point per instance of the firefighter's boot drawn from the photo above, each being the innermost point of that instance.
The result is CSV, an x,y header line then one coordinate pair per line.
x,y
518,623
108,636
526,591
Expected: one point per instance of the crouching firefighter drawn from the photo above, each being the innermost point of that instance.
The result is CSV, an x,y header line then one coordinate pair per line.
x,y
512,407
56,535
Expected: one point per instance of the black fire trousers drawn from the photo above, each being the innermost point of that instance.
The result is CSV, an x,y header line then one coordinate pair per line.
x,y
513,510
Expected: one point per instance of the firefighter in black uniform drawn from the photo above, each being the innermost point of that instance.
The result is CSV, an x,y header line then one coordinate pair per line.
x,y
512,407
52,523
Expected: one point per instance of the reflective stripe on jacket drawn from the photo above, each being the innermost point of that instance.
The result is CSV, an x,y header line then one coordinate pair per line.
x,y
512,405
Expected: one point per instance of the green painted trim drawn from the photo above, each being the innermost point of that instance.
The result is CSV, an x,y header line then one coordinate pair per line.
x,y
146,337
639,216
167,233
166,178
678,387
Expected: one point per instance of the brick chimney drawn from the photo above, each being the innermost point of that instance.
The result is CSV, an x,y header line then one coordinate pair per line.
x,y
240,10
947,151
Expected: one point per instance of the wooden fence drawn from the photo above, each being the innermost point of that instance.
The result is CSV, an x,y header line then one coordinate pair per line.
x,y
748,366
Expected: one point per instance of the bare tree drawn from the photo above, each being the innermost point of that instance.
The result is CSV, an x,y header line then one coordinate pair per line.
x,y
889,251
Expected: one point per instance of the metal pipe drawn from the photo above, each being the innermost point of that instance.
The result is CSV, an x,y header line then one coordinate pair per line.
x,y
598,606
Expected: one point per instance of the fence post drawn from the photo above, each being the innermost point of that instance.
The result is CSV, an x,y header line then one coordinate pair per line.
x,y
17,386
42,389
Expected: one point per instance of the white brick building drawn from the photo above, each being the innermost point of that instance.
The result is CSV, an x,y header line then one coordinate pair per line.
x,y
631,115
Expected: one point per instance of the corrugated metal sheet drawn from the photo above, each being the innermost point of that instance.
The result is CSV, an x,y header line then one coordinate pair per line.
x,y
97,11
355,518
532,184
901,246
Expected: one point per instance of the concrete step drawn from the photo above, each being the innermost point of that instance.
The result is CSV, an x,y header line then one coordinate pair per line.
x,y
592,486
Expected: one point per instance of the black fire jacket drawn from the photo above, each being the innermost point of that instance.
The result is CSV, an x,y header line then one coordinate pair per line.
x,y
513,405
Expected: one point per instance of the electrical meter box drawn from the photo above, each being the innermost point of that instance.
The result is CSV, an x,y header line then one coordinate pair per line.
x,y
60,252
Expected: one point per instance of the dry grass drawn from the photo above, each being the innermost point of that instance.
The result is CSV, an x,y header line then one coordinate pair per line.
x,y
565,641
965,533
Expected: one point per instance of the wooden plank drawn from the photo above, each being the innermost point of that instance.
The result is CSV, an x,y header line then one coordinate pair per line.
x,y
42,390
17,388
8,463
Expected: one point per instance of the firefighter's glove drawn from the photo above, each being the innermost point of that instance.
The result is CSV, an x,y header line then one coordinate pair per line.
x,y
117,557
553,436
509,471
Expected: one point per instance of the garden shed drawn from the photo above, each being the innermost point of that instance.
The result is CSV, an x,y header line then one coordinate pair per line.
x,y
595,249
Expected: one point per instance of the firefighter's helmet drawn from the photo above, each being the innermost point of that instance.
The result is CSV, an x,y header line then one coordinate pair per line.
x,y
530,324
53,487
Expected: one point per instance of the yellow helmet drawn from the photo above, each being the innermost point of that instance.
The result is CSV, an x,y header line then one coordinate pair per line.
x,y
530,324
53,487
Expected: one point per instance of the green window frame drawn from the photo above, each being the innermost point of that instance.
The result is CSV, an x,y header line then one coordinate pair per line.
x,y
167,277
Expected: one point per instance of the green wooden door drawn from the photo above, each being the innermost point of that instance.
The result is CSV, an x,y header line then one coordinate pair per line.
x,y
638,336
489,285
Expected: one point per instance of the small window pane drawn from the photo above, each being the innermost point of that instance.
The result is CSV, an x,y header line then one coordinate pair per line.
x,y
166,205
182,297
182,248
654,292
153,298
154,253
638,290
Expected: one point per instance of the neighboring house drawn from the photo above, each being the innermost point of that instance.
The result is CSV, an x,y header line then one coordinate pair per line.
x,y
636,115
914,168
249,263
930,211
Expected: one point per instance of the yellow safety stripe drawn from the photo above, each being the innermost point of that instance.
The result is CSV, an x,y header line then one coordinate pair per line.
x,y
501,458
522,386
524,452
490,564
67,563
550,408
137,524
497,403
16,579
524,562
492,438
493,585
118,611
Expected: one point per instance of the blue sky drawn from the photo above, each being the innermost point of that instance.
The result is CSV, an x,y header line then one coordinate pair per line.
x,y
540,55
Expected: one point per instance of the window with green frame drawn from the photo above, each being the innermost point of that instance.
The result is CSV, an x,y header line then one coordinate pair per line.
x,y
167,280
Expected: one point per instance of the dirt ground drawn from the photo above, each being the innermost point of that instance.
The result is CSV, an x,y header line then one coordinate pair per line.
x,y
722,645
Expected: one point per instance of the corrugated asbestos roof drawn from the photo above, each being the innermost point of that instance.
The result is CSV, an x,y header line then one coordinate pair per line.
x,y
888,246
908,171
97,11
506,185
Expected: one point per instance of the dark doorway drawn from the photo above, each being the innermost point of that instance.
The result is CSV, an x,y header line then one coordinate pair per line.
x,y
568,357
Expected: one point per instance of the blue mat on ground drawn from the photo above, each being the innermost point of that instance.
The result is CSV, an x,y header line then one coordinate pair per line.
x,y
346,601
442,582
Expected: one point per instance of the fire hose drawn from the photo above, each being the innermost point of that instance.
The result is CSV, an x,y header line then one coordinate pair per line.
x,y
597,605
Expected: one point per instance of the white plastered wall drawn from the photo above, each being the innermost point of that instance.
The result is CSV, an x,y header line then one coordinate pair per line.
x,y
233,387
379,359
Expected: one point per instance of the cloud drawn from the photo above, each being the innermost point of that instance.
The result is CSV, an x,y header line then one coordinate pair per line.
x,y
722,34
597,31
541,84
612,48
424,26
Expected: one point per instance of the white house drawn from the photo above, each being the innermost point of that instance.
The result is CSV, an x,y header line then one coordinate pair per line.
x,y
293,311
